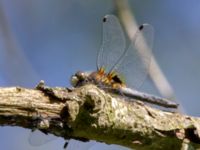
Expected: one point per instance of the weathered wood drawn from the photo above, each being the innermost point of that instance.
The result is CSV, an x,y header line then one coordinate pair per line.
x,y
90,113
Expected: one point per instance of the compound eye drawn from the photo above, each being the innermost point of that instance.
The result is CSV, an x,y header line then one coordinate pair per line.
x,y
74,80
80,75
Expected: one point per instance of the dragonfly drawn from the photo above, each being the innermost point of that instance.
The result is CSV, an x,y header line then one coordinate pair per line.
x,y
122,69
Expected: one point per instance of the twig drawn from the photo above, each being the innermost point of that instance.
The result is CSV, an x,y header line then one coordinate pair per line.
x,y
90,113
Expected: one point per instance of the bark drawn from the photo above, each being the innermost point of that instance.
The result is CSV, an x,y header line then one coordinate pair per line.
x,y
89,113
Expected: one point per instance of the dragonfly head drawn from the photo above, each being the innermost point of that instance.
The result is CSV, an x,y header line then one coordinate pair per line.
x,y
79,78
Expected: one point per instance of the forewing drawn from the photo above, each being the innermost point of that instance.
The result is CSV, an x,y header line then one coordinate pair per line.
x,y
134,64
78,145
113,43
38,138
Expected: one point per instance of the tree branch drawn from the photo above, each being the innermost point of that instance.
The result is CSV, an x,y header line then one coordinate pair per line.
x,y
90,113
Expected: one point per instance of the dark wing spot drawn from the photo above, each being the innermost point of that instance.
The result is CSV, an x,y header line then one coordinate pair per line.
x,y
65,145
117,79
141,27
104,19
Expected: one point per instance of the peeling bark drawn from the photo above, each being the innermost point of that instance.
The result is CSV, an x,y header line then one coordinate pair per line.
x,y
89,113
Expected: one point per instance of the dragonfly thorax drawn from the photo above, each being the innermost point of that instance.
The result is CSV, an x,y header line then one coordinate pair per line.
x,y
99,78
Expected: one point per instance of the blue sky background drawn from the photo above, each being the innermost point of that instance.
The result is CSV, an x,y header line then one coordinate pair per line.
x,y
56,38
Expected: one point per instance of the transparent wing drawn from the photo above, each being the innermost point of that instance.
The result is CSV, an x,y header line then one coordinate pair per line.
x,y
134,64
38,138
78,145
93,145
113,43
